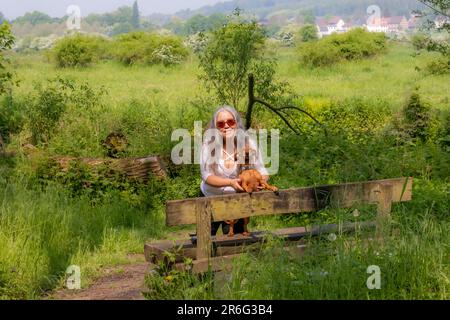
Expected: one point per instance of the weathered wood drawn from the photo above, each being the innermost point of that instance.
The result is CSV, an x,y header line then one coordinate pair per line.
x,y
384,199
134,168
225,263
308,199
384,203
204,232
224,245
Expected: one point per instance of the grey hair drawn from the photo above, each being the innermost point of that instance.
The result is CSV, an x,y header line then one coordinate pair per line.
x,y
233,111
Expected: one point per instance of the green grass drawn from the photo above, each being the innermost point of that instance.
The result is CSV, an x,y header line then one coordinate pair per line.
x,y
44,228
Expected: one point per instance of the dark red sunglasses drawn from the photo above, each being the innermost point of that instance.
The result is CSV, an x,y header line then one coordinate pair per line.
x,y
229,122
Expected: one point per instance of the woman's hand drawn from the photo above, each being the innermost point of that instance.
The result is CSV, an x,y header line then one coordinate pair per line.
x,y
236,184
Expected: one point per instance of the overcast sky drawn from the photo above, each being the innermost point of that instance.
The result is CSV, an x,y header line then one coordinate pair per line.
x,y
57,8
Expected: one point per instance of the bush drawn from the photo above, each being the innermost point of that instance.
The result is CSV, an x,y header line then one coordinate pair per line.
x,y
46,107
419,41
79,50
438,66
146,48
11,116
352,45
308,33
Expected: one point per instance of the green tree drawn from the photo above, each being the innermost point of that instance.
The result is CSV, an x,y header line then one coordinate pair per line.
x,y
232,52
308,32
437,8
34,18
135,19
228,57
6,43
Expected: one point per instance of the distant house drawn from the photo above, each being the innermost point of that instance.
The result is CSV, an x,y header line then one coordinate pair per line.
x,y
388,24
326,27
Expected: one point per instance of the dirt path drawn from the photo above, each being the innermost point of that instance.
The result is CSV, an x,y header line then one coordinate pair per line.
x,y
124,282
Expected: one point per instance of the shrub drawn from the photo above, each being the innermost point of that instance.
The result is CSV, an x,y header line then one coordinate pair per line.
x,y
79,50
146,48
352,45
440,65
11,116
419,41
46,107
355,118
308,33
6,42
417,115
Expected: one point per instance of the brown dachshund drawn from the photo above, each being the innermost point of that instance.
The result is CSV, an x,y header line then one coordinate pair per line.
x,y
251,181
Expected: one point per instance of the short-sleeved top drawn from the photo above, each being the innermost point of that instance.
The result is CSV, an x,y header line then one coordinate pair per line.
x,y
218,169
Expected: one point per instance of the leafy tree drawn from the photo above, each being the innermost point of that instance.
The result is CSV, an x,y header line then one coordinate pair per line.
x,y
135,18
6,43
234,51
35,18
437,8
308,33
228,56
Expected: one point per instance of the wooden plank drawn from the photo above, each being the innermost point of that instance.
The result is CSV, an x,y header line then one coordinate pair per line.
x,y
224,245
308,199
225,263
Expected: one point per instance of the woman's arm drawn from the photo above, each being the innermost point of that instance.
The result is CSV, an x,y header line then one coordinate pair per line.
x,y
217,181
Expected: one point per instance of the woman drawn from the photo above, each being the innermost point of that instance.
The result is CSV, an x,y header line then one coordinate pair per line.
x,y
218,165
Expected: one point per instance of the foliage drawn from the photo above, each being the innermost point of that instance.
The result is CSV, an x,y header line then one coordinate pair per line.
x,y
198,23
439,66
308,33
146,48
35,18
6,43
51,101
418,118
232,52
352,45
11,116
79,50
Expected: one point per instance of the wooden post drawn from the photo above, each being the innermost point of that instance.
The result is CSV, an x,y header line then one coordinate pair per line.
x,y
203,231
384,200
384,203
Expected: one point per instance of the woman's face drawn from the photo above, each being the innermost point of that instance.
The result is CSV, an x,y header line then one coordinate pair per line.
x,y
226,124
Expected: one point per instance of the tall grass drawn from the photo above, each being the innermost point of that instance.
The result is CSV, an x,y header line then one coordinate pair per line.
x,y
42,232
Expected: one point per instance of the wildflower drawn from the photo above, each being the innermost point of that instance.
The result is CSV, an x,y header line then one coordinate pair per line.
x,y
356,213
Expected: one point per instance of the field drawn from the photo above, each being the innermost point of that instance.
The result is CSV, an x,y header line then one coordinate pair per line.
x,y
45,226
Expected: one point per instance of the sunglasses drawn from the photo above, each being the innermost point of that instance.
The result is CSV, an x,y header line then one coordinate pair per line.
x,y
229,122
